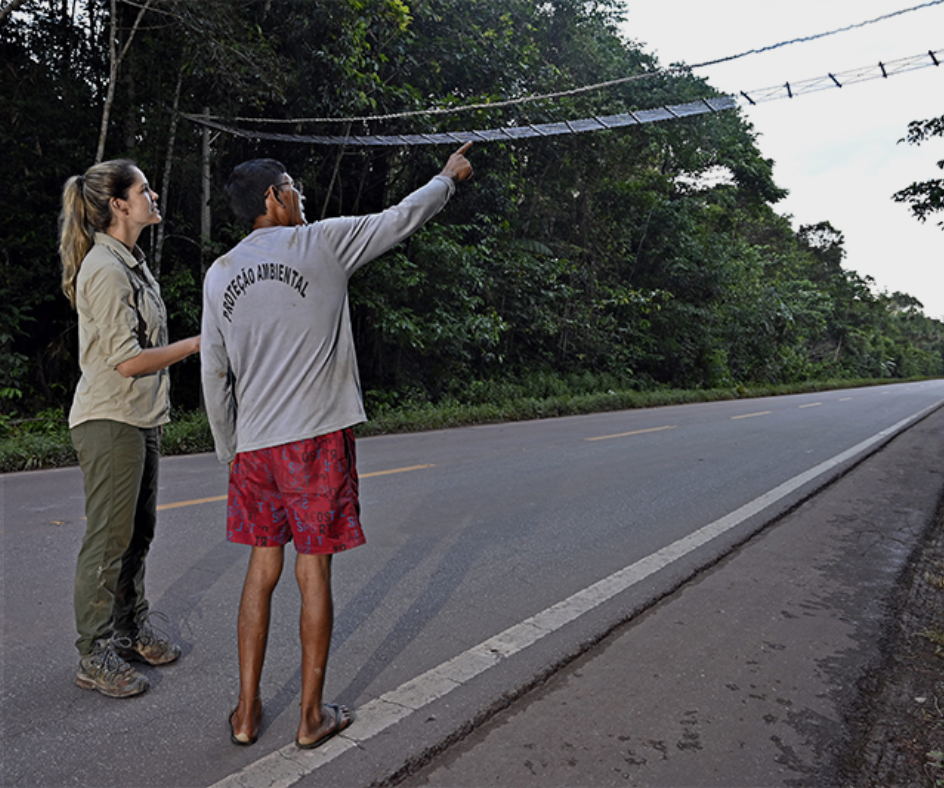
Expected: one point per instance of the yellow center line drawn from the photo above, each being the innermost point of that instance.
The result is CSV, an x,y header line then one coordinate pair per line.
x,y
635,432
396,470
216,498
194,502
811,405
752,415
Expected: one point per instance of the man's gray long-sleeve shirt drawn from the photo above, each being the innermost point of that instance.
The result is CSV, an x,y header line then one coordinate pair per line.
x,y
277,352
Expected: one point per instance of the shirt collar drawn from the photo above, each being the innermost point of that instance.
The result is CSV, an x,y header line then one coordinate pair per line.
x,y
131,258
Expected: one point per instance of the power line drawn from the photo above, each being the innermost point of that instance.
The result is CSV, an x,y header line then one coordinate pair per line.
x,y
882,70
816,36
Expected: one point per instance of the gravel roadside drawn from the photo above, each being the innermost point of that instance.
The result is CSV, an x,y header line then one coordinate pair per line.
x,y
899,720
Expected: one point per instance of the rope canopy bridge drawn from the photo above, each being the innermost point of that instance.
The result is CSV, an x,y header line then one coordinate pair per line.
x,y
883,70
490,135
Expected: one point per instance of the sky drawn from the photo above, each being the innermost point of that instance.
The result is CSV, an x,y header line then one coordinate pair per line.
x,y
836,150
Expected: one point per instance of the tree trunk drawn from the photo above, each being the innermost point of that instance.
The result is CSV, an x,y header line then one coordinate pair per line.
x,y
114,61
165,181
112,78
205,216
334,175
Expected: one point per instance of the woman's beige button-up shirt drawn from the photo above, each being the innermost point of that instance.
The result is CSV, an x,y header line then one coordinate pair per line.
x,y
120,313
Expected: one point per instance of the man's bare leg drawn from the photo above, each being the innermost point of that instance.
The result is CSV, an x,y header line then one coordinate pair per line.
x,y
255,607
313,573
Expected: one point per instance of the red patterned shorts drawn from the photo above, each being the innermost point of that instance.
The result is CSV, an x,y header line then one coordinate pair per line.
x,y
304,492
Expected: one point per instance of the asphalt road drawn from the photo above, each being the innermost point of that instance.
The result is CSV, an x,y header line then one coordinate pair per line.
x,y
494,555
794,662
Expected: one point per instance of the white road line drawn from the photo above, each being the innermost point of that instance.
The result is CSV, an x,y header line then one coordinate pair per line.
x,y
285,767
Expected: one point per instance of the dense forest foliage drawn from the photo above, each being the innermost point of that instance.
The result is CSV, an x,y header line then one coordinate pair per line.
x,y
652,253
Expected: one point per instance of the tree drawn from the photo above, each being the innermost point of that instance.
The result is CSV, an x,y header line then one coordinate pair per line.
x,y
8,8
651,254
924,197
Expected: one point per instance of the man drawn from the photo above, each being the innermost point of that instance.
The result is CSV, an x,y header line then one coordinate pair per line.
x,y
282,394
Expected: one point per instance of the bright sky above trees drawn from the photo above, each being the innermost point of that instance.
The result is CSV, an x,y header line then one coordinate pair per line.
x,y
836,151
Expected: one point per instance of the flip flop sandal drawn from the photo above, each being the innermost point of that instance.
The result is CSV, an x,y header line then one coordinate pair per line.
x,y
339,725
232,733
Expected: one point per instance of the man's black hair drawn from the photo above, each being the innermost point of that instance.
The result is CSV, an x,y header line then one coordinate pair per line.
x,y
248,184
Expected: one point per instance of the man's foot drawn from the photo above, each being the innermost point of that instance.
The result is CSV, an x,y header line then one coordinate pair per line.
x,y
145,644
103,670
334,719
241,731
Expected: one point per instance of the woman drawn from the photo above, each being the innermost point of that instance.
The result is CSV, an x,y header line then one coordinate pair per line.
x,y
120,403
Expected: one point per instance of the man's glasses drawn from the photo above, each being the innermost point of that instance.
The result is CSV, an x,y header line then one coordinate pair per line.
x,y
297,186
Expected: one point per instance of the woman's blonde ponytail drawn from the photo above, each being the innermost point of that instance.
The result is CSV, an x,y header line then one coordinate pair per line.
x,y
86,208
74,237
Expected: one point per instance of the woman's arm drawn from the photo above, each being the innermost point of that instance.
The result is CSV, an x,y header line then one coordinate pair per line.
x,y
153,359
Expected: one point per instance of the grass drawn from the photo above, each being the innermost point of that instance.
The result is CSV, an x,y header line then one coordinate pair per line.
x,y
934,765
937,581
44,442
936,636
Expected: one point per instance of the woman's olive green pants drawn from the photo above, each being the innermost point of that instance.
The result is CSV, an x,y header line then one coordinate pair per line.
x,y
119,463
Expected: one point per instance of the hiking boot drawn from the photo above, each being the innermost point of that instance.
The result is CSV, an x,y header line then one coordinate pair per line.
x,y
105,671
146,644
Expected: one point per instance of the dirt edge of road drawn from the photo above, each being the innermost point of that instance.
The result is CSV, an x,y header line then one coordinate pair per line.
x,y
898,719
